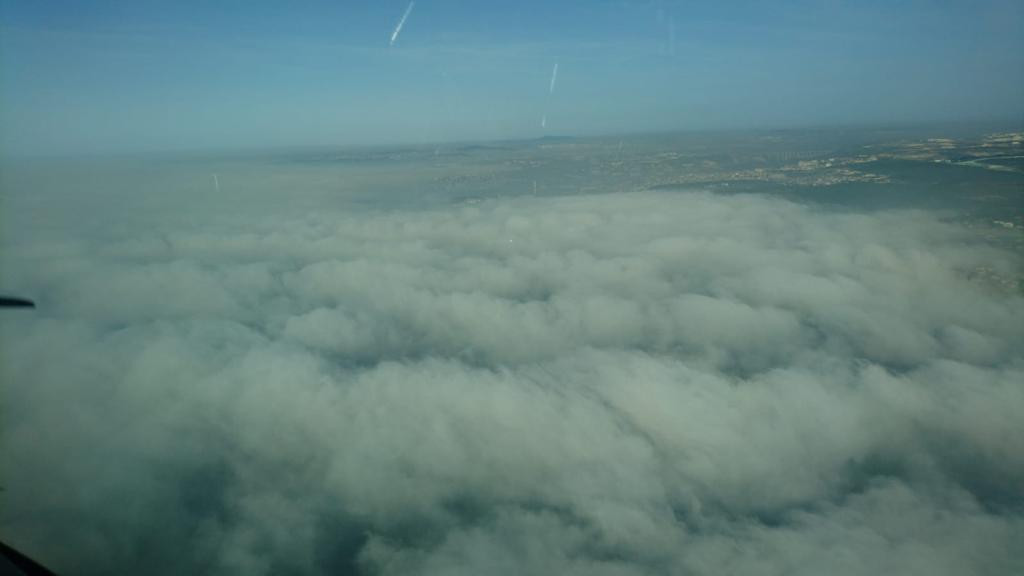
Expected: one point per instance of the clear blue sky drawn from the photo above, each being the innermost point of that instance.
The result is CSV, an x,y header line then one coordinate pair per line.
x,y
118,75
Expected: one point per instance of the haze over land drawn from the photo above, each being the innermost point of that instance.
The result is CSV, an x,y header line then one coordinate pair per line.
x,y
742,351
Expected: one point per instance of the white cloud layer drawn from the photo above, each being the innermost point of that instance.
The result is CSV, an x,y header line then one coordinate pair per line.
x,y
620,384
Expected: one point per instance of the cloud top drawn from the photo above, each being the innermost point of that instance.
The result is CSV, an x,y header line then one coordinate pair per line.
x,y
651,383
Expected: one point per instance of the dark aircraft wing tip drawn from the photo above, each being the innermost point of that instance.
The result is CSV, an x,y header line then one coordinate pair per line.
x,y
11,302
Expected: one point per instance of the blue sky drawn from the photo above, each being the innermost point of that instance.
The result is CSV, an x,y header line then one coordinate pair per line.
x,y
106,76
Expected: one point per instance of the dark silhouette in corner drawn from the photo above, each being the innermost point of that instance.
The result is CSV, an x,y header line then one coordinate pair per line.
x,y
14,562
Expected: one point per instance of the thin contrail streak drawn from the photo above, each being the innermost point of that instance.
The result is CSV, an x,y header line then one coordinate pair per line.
x,y
398,29
554,76
216,183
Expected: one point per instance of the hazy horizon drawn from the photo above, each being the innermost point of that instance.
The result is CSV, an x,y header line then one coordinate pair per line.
x,y
918,129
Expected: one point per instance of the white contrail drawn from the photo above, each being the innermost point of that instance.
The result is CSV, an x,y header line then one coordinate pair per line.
x,y
398,29
544,121
216,183
554,76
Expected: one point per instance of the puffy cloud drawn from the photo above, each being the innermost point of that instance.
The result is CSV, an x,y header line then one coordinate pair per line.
x,y
623,384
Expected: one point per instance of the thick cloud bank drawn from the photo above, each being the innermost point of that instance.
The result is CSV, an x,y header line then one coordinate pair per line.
x,y
621,384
